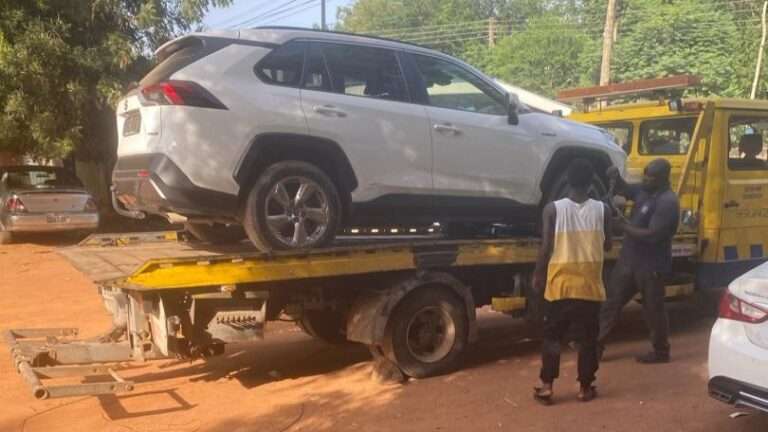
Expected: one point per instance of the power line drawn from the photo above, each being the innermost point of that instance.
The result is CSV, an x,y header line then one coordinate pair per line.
x,y
264,14
482,33
240,15
295,9
296,12
586,19
437,34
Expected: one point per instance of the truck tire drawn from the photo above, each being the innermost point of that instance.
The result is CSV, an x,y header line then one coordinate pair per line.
x,y
329,326
293,205
559,189
427,332
216,233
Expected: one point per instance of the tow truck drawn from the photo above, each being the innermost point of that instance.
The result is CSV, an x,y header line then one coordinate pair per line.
x,y
719,156
412,300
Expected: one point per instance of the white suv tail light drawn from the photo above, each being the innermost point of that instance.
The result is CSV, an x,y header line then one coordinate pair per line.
x,y
734,308
185,93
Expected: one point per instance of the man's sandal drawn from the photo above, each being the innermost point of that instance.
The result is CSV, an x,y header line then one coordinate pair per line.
x,y
542,396
586,394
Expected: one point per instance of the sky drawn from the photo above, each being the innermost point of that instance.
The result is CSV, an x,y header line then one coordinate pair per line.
x,y
298,13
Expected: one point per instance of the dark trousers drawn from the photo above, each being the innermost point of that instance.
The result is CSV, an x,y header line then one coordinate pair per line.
x,y
623,285
583,318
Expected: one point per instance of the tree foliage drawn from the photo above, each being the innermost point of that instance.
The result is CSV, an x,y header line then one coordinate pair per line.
x,y
681,37
64,63
541,60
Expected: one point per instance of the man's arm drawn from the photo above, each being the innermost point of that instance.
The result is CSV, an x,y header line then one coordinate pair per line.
x,y
547,244
620,186
608,228
663,222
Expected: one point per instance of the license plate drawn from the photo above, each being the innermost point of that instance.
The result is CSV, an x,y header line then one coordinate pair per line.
x,y
132,124
52,218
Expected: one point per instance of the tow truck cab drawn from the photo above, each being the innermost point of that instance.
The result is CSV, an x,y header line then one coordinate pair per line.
x,y
718,149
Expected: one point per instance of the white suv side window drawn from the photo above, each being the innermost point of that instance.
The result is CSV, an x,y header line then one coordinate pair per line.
x,y
451,86
283,66
365,71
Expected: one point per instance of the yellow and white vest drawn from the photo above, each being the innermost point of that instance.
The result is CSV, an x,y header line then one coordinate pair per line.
x,y
576,268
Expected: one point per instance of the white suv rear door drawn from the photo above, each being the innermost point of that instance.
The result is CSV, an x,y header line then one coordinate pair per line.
x,y
476,152
357,97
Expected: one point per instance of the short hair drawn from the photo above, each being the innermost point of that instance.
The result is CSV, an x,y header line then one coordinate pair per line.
x,y
580,173
659,168
751,144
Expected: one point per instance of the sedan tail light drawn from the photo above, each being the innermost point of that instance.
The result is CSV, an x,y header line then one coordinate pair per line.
x,y
185,93
15,205
734,308
91,206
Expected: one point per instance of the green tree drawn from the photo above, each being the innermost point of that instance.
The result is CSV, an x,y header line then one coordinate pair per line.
x,y
64,64
686,36
453,26
549,54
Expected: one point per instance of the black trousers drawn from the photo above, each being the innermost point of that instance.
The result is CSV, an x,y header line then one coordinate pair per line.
x,y
623,285
583,318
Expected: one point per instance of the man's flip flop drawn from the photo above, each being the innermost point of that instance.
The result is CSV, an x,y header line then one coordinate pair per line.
x,y
542,396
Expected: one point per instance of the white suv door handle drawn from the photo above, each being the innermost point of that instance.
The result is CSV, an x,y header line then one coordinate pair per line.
x,y
447,128
329,110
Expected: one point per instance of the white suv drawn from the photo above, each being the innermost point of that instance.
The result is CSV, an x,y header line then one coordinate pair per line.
x,y
295,134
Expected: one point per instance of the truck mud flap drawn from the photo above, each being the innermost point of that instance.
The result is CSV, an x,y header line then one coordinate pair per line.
x,y
44,355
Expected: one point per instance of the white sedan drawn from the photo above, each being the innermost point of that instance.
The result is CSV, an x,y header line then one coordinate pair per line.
x,y
738,346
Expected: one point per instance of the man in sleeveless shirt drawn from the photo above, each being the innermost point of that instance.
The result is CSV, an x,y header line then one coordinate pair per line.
x,y
569,271
646,255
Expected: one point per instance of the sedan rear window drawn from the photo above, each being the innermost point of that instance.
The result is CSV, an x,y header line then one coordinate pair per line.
x,y
40,178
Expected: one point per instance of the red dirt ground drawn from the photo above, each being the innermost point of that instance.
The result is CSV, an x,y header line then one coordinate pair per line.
x,y
290,382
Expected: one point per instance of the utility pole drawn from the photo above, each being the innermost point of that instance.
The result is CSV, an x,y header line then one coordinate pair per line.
x,y
608,36
759,66
491,32
322,15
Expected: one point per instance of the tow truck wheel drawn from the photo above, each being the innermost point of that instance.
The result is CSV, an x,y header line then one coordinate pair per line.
x,y
427,332
327,325
216,233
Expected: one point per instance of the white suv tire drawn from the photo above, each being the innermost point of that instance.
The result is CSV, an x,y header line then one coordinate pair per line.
x,y
292,205
559,189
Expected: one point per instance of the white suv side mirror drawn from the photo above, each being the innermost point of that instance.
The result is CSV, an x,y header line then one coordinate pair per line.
x,y
512,103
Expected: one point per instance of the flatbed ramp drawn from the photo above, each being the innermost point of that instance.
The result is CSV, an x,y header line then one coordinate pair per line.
x,y
171,263
106,257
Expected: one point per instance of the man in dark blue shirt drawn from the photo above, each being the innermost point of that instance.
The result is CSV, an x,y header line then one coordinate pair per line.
x,y
646,255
